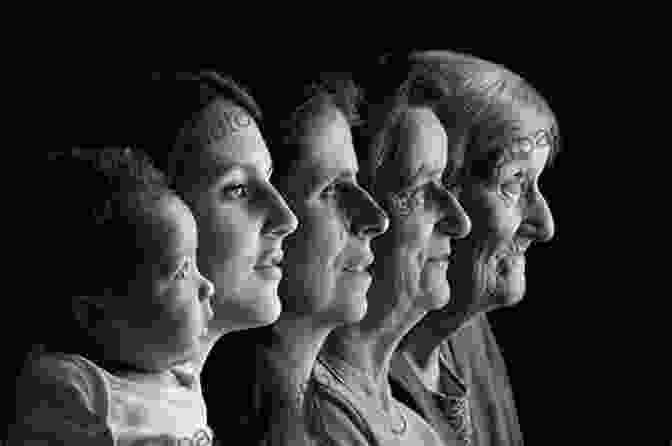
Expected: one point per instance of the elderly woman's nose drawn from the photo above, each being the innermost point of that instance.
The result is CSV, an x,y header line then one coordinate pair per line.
x,y
367,217
538,223
454,220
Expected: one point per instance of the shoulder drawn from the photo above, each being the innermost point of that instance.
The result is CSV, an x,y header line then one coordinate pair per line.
x,y
340,425
59,397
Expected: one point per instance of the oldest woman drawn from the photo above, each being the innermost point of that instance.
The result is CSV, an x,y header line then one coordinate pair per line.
x,y
449,367
404,171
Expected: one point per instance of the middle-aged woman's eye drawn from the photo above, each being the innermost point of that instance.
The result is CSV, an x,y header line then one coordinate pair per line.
x,y
330,191
235,192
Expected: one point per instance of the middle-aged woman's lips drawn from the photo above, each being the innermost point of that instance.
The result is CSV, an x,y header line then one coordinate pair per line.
x,y
442,260
359,265
269,266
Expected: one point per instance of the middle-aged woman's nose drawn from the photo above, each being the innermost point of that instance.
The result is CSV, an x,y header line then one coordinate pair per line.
x,y
454,220
367,217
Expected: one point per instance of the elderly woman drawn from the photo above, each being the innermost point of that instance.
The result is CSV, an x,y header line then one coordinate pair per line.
x,y
406,165
325,281
449,367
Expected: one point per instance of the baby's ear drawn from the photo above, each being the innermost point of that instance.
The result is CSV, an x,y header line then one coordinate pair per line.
x,y
87,311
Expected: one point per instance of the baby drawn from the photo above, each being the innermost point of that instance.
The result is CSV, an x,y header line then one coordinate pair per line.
x,y
119,361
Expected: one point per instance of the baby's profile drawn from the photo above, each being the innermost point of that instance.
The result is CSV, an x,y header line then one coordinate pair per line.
x,y
119,359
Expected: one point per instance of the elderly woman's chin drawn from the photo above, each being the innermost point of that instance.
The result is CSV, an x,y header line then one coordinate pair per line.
x,y
507,281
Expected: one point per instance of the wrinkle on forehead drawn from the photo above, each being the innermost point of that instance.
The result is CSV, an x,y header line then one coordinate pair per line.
x,y
420,129
505,136
326,141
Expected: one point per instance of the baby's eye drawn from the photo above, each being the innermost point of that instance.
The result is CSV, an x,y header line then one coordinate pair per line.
x,y
235,192
183,271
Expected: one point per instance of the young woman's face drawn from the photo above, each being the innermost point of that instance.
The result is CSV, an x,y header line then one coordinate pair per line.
x,y
425,217
163,319
328,256
241,217
502,196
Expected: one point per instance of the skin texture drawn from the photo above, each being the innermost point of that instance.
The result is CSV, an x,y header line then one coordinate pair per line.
x,y
241,217
424,216
338,220
509,213
163,319
410,280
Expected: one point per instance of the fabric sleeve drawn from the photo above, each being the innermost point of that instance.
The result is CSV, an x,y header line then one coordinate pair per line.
x,y
341,429
58,402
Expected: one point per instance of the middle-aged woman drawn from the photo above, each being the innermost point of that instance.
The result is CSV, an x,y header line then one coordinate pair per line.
x,y
408,159
307,122
449,367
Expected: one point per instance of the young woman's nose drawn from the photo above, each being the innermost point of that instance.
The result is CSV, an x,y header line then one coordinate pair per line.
x,y
281,220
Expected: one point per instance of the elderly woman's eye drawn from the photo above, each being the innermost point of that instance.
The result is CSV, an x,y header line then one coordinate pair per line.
x,y
235,192
406,202
513,187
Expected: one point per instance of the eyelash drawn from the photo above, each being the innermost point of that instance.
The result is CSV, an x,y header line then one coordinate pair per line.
x,y
332,190
235,192
183,272
519,180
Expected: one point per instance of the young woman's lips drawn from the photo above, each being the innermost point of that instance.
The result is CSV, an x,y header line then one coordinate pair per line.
x,y
269,265
269,272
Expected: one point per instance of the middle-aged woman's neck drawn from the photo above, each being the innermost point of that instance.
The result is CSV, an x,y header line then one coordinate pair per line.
x,y
369,345
297,342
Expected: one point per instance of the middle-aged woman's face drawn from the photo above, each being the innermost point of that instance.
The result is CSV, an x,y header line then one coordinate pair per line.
x,y
425,216
501,194
241,217
328,256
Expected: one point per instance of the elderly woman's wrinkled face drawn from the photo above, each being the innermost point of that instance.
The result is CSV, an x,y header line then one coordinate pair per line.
x,y
424,215
326,259
241,217
501,194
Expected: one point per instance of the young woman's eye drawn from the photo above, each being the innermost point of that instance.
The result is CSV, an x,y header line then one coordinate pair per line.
x,y
235,192
330,191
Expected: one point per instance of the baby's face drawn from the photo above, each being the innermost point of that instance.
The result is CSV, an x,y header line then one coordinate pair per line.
x,y
163,320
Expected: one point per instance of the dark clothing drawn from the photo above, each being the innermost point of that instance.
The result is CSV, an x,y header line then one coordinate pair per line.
x,y
473,377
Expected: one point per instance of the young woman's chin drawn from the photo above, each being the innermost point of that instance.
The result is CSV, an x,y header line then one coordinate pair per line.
x,y
258,310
